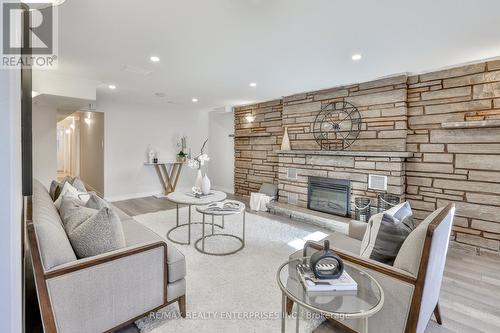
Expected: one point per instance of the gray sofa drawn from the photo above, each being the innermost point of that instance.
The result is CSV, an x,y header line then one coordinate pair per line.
x,y
104,292
411,286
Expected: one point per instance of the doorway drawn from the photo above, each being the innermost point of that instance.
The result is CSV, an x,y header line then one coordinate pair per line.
x,y
80,149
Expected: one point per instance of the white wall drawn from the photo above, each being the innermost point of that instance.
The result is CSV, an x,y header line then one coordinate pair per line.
x,y
129,128
221,149
44,143
10,202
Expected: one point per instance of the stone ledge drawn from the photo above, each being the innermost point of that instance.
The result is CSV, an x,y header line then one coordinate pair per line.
x,y
252,135
402,154
472,124
327,221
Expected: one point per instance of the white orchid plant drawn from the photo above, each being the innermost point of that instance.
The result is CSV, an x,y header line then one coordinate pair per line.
x,y
200,160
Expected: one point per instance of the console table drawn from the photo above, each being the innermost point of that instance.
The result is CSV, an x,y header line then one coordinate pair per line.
x,y
168,173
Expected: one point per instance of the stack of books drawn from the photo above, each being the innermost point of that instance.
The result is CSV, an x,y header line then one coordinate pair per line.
x,y
344,283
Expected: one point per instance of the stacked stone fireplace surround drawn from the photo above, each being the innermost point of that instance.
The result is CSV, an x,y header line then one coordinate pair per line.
x,y
435,135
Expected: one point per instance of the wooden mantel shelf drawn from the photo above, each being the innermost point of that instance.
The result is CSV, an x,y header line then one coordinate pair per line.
x,y
252,135
402,154
472,124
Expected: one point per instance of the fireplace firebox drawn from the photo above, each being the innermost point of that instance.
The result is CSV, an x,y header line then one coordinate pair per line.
x,y
329,195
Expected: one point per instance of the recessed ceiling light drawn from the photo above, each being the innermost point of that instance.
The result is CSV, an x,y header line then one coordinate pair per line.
x,y
112,87
356,57
253,84
154,58
194,100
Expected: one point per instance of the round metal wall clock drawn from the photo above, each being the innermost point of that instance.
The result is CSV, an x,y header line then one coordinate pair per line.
x,y
337,126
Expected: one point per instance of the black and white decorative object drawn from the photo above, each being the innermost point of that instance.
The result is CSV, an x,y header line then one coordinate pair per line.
x,y
325,263
337,126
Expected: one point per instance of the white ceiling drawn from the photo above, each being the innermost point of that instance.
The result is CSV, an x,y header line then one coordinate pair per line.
x,y
212,49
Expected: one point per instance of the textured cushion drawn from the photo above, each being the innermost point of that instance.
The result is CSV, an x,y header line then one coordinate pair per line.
x,y
53,243
408,258
68,189
96,202
78,184
386,233
100,233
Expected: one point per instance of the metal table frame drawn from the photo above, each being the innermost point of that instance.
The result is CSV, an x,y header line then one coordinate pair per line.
x,y
188,224
202,239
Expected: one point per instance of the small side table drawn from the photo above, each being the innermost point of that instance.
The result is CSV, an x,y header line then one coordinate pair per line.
x,y
204,211
180,198
168,175
336,306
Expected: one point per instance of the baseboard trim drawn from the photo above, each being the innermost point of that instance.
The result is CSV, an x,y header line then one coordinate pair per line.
x,y
131,196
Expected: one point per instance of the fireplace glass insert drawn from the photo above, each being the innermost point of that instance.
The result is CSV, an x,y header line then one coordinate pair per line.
x,y
329,195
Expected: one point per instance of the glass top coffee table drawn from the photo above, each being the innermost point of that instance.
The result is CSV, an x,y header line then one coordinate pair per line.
x,y
334,305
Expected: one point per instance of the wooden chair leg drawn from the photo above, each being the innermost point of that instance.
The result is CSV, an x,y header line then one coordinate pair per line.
x,y
182,305
289,306
437,314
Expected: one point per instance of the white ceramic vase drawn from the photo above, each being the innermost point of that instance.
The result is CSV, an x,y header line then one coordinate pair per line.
x,y
205,185
199,179
285,143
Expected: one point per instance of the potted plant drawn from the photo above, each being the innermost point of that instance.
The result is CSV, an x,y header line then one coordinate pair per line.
x,y
182,156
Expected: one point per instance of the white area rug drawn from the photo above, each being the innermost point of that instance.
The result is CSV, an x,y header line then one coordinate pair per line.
x,y
235,287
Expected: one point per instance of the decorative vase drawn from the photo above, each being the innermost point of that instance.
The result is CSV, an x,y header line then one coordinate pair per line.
x,y
199,179
285,143
205,185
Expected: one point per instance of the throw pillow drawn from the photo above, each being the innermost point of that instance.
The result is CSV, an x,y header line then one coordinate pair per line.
x,y
73,212
391,235
96,202
78,184
100,233
70,190
386,233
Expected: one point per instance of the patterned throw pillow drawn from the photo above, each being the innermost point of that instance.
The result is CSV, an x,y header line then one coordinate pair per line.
x,y
91,231
68,189
78,184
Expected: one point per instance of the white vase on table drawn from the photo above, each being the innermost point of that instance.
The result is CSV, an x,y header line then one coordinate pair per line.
x,y
205,185
199,179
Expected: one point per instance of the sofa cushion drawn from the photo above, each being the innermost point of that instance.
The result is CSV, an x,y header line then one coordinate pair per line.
x,y
136,233
100,233
386,232
96,202
53,243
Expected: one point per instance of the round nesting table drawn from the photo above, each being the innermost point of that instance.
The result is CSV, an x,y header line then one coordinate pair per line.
x,y
361,304
181,198
204,210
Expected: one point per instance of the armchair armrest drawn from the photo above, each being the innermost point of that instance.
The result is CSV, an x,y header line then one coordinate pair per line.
x,y
111,288
357,229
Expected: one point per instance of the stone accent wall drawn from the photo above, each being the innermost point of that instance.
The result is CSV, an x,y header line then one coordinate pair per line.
x,y
422,114
255,144
381,103
461,165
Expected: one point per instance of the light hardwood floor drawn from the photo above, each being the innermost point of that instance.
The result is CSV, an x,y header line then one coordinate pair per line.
x,y
470,294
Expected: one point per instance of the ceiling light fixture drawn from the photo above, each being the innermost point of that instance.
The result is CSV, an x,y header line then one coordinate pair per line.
x,y
112,87
154,58
356,57
194,100
253,84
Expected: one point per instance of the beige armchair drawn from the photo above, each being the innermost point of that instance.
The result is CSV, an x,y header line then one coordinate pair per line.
x,y
411,286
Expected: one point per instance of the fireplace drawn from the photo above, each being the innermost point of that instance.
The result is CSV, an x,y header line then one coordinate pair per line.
x,y
329,195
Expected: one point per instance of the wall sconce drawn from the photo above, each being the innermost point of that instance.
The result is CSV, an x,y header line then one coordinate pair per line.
x,y
88,120
250,118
